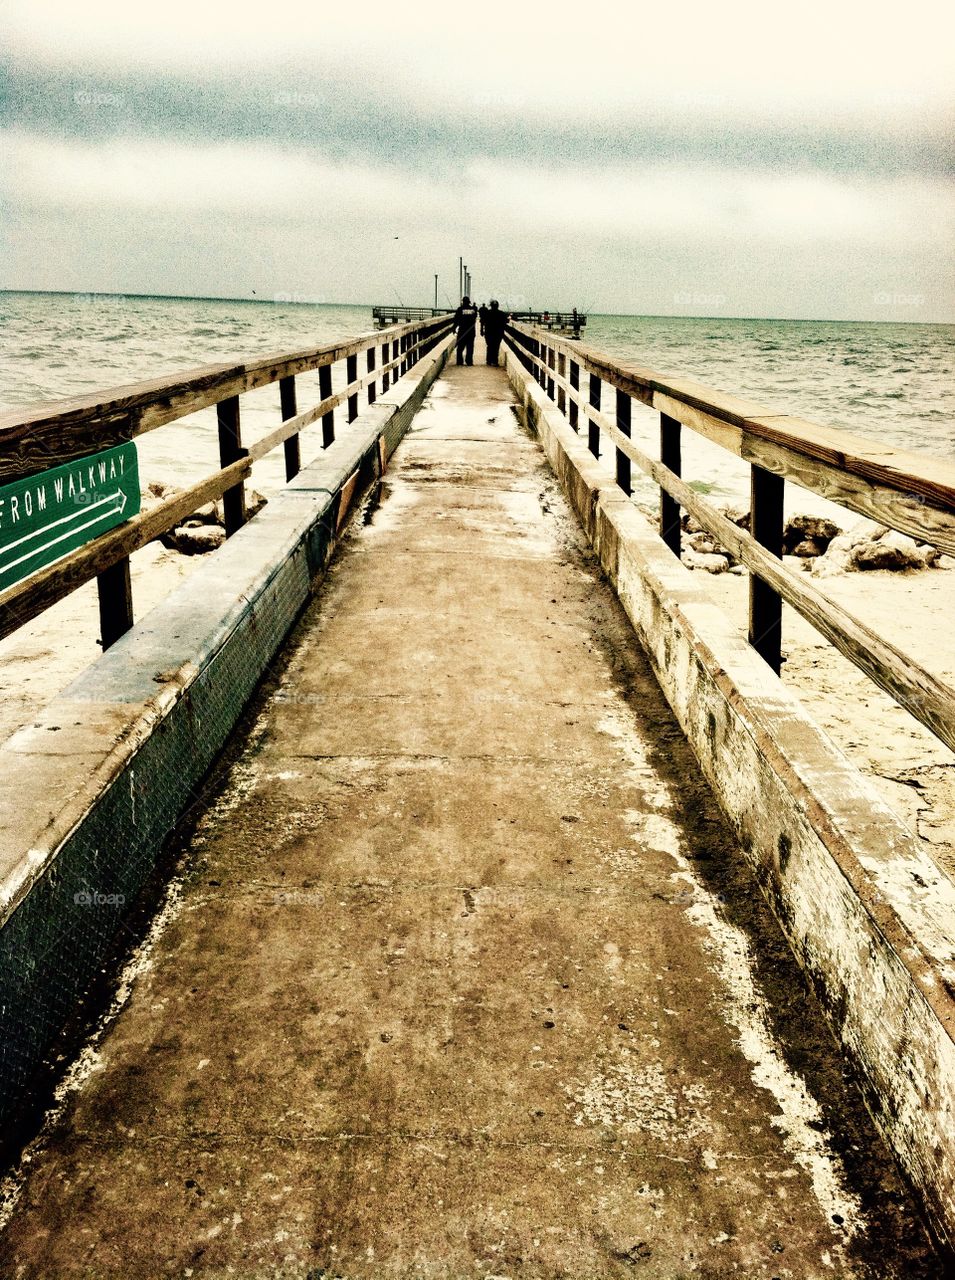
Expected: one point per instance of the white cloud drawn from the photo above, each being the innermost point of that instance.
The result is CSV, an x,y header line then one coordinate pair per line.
x,y
660,201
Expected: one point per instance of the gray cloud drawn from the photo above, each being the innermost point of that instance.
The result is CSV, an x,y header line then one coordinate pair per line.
x,y
383,123
657,159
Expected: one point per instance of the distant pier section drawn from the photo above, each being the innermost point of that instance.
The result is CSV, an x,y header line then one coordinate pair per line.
x,y
569,323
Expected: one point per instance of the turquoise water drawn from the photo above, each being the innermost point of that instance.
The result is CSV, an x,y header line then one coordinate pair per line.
x,y
892,382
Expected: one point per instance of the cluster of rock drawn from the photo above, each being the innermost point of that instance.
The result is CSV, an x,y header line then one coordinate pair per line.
x,y
823,546
204,529
700,550
868,547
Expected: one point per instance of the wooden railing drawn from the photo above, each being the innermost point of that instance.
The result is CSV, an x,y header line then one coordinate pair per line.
x,y
38,438
573,321
902,490
389,313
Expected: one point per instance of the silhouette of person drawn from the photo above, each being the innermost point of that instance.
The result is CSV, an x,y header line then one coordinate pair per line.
x,y
482,312
465,319
495,323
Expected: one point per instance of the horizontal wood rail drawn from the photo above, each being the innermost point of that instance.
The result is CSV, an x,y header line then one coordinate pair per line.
x,y
550,320
386,314
906,491
45,435
39,437
927,698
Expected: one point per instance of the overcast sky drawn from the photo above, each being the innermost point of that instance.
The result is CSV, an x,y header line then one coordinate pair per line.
x,y
704,159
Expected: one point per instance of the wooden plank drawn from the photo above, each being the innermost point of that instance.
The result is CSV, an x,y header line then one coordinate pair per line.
x,y
37,437
671,457
351,377
115,591
903,490
386,375
593,428
911,514
767,494
293,452
370,358
928,699
328,418
632,378
882,463
230,450
705,424
623,406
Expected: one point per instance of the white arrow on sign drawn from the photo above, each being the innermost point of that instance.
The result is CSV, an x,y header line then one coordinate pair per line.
x,y
108,501
44,529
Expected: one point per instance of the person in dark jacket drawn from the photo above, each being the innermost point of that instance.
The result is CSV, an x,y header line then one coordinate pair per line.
x,y
465,320
495,323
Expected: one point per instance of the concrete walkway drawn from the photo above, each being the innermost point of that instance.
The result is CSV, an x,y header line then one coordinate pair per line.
x,y
460,980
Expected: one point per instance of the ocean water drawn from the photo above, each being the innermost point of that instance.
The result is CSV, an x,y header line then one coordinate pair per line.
x,y
891,382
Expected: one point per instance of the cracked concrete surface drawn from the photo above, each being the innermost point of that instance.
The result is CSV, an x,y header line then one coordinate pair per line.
x,y
464,976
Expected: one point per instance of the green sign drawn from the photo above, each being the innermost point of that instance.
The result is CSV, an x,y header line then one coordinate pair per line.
x,y
53,513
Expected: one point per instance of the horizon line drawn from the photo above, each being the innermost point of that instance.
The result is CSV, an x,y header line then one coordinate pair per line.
x,y
272,302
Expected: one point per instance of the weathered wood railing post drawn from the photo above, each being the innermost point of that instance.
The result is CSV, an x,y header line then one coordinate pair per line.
x,y
325,391
593,431
767,493
671,457
293,451
115,591
562,374
230,450
550,381
404,354
575,384
370,358
386,372
351,377
623,424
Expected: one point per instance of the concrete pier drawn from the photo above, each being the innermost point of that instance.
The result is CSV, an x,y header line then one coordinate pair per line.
x,y
463,974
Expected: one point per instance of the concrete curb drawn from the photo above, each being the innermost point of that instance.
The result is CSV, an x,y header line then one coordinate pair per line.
x,y
870,918
93,788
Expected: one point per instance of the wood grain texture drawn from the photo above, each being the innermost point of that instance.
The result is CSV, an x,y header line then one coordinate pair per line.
x,y
907,491
26,600
928,699
38,437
